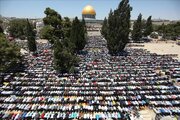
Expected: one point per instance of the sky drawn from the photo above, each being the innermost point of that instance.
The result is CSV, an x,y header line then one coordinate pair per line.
x,y
163,9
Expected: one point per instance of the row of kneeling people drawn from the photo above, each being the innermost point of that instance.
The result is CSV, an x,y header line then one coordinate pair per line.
x,y
16,115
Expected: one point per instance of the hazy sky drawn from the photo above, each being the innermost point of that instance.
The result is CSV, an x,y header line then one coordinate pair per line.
x,y
164,9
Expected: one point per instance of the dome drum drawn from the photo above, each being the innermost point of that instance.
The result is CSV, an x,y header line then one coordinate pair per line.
x,y
88,16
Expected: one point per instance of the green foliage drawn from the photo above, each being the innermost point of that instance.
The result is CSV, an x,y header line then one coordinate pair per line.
x,y
68,45
17,28
111,41
169,31
58,31
66,27
148,27
159,28
172,31
9,52
52,18
72,69
64,60
77,36
53,25
137,29
155,27
1,26
104,28
30,37
84,26
46,33
118,25
143,25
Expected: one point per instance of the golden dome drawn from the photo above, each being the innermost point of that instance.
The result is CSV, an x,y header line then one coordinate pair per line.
x,y
88,10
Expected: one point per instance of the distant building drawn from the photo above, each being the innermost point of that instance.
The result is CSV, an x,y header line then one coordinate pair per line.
x,y
161,21
89,12
39,26
89,15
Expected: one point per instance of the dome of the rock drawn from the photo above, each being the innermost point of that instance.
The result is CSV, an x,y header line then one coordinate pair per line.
x,y
88,12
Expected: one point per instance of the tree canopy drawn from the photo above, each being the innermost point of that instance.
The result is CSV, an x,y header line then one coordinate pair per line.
x,y
66,27
104,29
117,26
17,28
46,33
77,36
30,36
53,25
169,31
9,52
1,26
172,31
64,36
137,29
148,27
63,58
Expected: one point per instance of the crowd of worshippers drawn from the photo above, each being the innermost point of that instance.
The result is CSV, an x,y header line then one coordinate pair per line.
x,y
106,86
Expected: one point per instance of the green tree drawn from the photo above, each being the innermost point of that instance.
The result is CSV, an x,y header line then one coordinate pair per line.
x,y
54,20
9,52
17,28
1,26
118,27
169,31
163,31
77,36
64,60
155,27
30,37
148,27
104,29
46,33
111,41
137,29
143,26
84,26
177,28
66,27
66,34
58,32
143,23
159,28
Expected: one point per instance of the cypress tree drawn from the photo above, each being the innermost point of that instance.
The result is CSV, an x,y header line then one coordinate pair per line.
x,y
111,41
66,27
67,38
1,28
148,27
137,29
77,36
31,37
163,30
84,26
118,27
104,28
